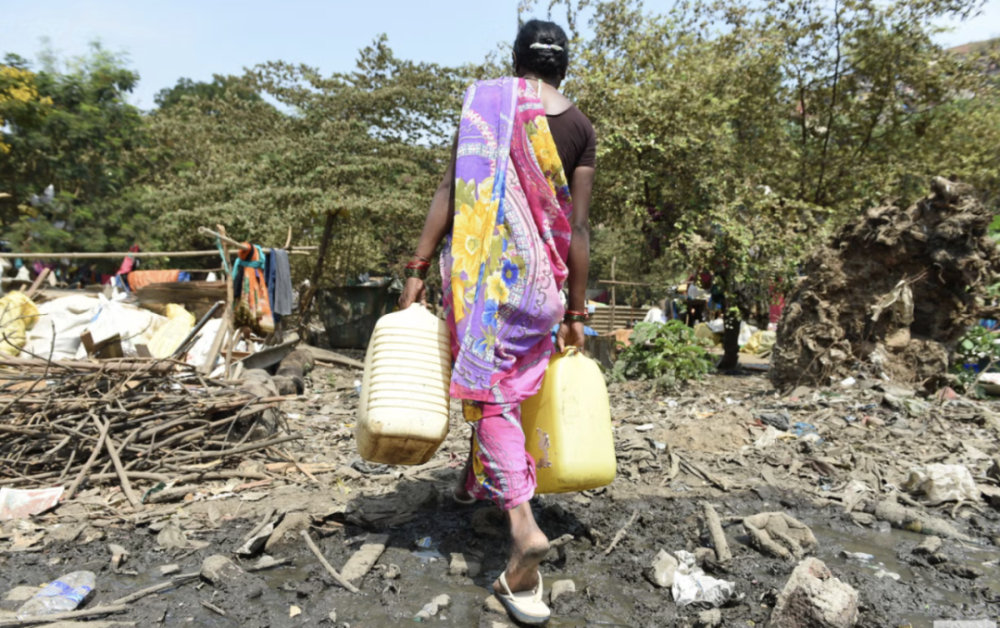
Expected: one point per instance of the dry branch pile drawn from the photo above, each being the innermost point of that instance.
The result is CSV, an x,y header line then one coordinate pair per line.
x,y
892,293
123,421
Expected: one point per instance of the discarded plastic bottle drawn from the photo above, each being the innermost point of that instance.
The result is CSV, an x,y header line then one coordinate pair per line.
x,y
61,596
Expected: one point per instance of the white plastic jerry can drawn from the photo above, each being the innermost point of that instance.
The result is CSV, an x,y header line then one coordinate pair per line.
x,y
403,411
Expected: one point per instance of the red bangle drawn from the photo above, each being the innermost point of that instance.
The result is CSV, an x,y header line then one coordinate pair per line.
x,y
419,265
576,317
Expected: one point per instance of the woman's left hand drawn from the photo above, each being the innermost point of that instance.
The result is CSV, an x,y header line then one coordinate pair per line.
x,y
570,335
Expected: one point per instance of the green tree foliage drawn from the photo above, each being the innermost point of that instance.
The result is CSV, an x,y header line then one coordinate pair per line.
x,y
82,147
368,146
221,86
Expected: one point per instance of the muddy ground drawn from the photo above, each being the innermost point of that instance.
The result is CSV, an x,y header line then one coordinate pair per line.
x,y
675,450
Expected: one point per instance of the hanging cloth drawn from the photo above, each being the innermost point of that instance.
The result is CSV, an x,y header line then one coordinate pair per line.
x,y
253,308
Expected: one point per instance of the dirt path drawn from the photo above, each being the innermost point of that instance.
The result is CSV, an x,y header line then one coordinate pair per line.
x,y
667,446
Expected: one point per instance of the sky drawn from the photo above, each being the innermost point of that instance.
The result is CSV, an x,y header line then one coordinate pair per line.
x,y
196,39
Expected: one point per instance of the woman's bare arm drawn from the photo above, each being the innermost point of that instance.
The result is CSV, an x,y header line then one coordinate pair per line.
x,y
579,254
436,225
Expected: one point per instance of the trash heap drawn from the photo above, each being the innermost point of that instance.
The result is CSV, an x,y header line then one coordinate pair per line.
x,y
891,294
125,422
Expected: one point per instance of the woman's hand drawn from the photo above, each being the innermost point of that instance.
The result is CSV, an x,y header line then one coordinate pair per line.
x,y
414,290
569,335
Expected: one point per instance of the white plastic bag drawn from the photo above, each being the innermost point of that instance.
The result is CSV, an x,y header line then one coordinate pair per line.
x,y
132,324
943,483
68,317
693,586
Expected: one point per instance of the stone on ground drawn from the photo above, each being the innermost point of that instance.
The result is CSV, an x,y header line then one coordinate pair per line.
x,y
462,565
813,597
21,594
661,572
929,546
288,532
365,558
709,619
561,588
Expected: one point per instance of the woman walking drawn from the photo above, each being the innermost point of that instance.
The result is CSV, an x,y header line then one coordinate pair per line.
x,y
514,205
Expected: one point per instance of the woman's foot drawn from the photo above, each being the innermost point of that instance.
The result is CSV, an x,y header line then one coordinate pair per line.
x,y
529,548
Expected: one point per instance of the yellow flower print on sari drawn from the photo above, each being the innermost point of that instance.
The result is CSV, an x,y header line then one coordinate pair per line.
x,y
473,229
496,289
458,297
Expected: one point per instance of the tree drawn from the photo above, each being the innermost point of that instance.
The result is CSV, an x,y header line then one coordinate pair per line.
x,y
200,90
77,136
368,146
750,130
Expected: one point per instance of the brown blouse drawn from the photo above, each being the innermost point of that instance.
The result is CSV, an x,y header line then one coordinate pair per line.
x,y
575,140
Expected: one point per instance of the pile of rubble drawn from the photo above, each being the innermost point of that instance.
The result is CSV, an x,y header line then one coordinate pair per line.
x,y
892,292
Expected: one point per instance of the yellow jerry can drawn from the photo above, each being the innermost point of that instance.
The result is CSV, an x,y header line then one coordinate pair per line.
x,y
403,410
567,426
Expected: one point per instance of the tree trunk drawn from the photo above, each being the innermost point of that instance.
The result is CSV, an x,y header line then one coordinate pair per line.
x,y
730,341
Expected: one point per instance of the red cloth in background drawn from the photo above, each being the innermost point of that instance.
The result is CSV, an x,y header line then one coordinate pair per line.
x,y
142,278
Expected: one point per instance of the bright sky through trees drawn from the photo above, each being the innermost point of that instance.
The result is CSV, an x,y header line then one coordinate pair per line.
x,y
196,39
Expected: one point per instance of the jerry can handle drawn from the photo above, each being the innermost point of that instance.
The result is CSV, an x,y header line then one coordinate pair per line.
x,y
570,351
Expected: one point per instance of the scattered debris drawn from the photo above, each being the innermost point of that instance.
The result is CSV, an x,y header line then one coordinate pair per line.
x,y
943,483
661,572
362,561
693,586
904,518
461,565
60,596
326,565
813,597
560,588
894,289
780,535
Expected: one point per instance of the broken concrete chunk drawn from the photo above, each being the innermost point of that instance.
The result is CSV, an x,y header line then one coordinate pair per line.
x,y
169,570
709,619
226,575
661,572
288,531
461,565
813,597
780,535
218,570
561,588
493,605
365,558
929,546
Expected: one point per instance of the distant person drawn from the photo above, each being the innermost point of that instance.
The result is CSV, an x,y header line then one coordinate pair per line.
x,y
521,175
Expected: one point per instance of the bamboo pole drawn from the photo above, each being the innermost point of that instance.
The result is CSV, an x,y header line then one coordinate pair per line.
x,y
221,234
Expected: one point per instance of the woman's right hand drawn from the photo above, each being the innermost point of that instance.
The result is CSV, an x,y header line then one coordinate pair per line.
x,y
414,290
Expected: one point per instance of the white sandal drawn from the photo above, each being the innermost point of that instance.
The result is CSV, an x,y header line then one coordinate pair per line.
x,y
526,607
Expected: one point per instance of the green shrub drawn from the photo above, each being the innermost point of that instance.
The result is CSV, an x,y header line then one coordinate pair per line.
x,y
667,354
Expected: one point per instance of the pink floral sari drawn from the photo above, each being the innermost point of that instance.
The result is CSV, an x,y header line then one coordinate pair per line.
x,y
505,260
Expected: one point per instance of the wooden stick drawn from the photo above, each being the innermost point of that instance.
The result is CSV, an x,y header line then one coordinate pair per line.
x,y
243,246
621,533
237,450
329,568
260,526
90,461
51,619
213,608
722,553
230,306
156,588
37,283
117,461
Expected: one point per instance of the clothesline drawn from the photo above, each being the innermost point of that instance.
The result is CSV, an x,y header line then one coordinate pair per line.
x,y
242,245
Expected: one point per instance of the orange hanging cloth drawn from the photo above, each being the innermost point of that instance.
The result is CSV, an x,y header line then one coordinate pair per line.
x,y
253,309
